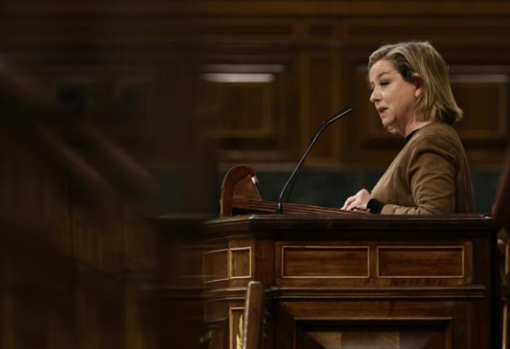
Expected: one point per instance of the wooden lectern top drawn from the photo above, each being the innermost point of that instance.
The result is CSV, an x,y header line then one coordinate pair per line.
x,y
239,195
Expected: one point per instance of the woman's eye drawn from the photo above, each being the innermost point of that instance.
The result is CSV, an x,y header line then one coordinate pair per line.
x,y
384,83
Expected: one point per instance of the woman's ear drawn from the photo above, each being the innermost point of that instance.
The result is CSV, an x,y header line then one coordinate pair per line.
x,y
418,84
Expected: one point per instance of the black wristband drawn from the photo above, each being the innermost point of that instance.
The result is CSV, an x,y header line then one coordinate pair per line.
x,y
375,206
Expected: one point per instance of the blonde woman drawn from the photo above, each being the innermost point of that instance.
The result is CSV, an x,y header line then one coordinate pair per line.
x,y
412,94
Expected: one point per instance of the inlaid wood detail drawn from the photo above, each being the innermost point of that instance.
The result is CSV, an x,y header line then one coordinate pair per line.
x,y
415,262
240,263
234,317
318,262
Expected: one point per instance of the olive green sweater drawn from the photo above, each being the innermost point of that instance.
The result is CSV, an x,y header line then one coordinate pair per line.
x,y
430,175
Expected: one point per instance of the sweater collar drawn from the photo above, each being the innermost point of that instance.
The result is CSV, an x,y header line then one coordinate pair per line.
x,y
409,136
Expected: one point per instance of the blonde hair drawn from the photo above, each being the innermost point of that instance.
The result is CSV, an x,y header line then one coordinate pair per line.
x,y
419,61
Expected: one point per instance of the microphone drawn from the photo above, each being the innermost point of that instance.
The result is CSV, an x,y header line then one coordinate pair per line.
x,y
339,114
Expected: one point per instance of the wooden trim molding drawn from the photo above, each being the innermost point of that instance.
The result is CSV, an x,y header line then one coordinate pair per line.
x,y
231,268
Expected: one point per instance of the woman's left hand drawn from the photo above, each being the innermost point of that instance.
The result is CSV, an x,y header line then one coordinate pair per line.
x,y
358,201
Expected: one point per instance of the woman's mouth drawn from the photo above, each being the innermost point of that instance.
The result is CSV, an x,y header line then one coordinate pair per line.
x,y
381,110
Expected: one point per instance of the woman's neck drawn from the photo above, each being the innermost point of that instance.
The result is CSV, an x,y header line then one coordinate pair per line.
x,y
413,126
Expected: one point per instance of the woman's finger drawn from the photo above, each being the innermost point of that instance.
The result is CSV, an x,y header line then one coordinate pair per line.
x,y
347,202
352,205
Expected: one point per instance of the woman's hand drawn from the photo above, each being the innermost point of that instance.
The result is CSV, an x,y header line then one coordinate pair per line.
x,y
358,201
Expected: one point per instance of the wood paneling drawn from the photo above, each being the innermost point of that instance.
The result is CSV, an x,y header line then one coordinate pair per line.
x,y
308,262
414,262
216,265
272,71
332,55
321,98
421,287
240,263
245,107
360,263
249,93
482,94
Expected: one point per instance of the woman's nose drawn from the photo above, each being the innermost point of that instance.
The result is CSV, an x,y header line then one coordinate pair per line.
x,y
374,96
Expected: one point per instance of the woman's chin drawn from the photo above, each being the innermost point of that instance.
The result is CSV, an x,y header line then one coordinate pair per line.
x,y
385,123
390,130
387,126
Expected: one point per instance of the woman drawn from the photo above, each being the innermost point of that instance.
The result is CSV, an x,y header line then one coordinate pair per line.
x,y
412,94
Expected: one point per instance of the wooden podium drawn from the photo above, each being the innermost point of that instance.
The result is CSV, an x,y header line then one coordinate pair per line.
x,y
356,281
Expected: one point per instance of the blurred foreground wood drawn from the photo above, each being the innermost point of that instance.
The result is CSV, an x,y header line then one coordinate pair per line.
x,y
87,171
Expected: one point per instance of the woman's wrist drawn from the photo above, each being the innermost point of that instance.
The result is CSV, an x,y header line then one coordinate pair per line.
x,y
375,206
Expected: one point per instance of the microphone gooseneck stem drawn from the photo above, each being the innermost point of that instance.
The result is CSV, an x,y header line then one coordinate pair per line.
x,y
342,112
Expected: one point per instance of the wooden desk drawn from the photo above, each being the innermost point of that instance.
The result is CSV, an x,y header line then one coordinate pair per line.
x,y
357,281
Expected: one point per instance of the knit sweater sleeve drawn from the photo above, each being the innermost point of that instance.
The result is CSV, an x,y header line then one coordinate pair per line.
x,y
431,177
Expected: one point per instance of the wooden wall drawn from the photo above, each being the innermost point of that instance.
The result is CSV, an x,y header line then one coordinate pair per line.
x,y
82,264
270,71
304,60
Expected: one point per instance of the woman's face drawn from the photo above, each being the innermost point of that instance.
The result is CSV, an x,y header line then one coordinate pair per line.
x,y
392,96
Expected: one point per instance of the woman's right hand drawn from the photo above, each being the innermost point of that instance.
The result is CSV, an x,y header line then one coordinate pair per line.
x,y
358,201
